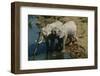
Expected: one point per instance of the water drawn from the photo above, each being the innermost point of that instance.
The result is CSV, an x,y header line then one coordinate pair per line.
x,y
41,53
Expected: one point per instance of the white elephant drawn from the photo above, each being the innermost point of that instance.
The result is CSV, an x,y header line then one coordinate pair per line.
x,y
63,30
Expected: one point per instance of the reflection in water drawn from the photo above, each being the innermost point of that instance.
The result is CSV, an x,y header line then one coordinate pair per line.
x,y
42,53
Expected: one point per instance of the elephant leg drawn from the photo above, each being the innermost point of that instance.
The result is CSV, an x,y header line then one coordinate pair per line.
x,y
64,42
76,38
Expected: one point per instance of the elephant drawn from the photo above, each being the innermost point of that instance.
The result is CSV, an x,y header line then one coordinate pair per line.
x,y
63,30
